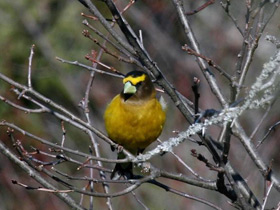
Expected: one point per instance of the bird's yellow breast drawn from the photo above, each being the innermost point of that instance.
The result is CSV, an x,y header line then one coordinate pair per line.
x,y
134,125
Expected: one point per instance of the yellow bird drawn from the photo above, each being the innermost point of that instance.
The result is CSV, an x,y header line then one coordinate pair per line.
x,y
134,118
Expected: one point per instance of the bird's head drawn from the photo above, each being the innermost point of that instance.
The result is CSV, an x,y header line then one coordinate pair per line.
x,y
137,86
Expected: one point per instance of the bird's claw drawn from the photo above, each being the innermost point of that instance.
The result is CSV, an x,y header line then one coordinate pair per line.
x,y
119,148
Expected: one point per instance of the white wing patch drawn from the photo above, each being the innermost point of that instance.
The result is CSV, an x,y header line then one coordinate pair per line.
x,y
163,103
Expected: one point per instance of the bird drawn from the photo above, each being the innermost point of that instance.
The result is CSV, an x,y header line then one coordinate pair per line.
x,y
134,118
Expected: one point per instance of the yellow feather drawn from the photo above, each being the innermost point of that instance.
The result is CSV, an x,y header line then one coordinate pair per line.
x,y
134,80
134,125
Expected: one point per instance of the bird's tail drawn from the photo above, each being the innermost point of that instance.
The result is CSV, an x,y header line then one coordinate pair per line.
x,y
122,169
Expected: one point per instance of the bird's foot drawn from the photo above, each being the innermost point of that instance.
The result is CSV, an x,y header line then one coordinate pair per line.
x,y
146,167
119,148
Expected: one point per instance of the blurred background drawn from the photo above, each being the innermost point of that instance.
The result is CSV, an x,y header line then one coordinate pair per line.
x,y
55,27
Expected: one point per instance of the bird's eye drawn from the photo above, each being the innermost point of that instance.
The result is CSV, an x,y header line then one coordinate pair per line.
x,y
138,84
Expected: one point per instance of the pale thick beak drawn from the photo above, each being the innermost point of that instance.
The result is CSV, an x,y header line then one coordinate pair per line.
x,y
129,88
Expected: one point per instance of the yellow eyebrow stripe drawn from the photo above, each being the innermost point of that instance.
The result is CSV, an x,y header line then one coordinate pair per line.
x,y
134,80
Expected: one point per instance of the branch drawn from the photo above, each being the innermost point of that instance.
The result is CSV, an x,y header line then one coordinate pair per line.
x,y
76,63
46,142
209,2
194,45
29,65
177,192
209,61
35,175
108,27
71,118
93,140
146,60
267,133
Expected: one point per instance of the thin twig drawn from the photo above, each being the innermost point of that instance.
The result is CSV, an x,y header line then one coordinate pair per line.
x,y
109,28
75,152
266,195
194,45
35,175
208,60
63,133
117,47
139,201
30,65
89,68
195,87
131,2
40,188
93,140
26,110
267,133
104,65
72,119
185,165
226,6
113,54
177,192
263,168
89,16
209,2
260,122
